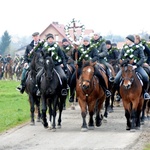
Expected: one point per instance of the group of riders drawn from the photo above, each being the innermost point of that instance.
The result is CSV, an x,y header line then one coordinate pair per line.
x,y
95,49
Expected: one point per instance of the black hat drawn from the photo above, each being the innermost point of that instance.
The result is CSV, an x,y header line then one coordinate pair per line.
x,y
49,36
64,40
35,34
114,44
131,38
108,42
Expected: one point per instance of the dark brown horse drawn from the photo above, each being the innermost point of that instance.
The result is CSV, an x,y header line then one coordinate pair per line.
x,y
31,88
131,93
90,96
9,70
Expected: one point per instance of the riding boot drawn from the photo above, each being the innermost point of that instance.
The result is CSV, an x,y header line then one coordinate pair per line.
x,y
110,76
22,87
104,87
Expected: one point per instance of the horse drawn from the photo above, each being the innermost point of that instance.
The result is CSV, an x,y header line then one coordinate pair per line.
x,y
90,96
51,96
9,70
1,69
31,88
131,93
18,70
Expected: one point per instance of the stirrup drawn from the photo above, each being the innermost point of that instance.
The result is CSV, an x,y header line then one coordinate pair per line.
x,y
108,93
63,92
111,79
146,96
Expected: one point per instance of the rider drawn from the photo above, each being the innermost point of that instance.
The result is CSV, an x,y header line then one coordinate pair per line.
x,y
86,52
130,51
59,61
68,51
145,47
27,60
100,45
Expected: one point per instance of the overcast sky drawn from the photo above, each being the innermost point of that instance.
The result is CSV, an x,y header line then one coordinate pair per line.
x,y
121,17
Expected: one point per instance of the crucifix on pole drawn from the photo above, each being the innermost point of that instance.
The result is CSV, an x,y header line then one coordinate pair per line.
x,y
74,24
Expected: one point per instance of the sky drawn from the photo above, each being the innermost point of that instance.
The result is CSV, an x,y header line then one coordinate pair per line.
x,y
119,17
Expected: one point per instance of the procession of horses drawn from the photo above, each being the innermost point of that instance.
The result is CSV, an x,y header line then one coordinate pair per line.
x,y
89,93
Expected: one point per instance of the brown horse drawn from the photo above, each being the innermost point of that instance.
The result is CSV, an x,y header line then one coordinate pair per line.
x,y
131,93
90,96
9,70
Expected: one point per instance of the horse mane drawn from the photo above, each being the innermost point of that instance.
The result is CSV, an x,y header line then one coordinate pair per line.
x,y
85,64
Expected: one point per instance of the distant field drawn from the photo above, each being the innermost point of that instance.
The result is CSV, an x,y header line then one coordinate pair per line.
x,y
14,107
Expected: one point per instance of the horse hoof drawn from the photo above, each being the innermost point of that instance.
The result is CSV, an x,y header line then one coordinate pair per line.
x,y
127,128
32,123
54,130
38,120
72,107
84,129
132,130
58,126
91,127
105,120
111,110
142,123
137,128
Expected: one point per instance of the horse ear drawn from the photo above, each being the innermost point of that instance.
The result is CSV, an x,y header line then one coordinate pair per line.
x,y
93,63
131,61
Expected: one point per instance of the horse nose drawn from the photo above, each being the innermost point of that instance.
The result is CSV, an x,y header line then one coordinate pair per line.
x,y
85,87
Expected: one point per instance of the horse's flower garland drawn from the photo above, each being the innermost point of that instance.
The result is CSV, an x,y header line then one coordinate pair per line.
x,y
70,25
129,52
53,50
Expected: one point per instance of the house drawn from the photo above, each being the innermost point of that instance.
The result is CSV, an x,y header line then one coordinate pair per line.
x,y
59,32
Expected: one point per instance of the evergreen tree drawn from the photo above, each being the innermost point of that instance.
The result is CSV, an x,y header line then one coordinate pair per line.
x,y
5,42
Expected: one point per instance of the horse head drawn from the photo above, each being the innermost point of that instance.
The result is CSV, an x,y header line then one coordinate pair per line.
x,y
87,75
49,67
128,73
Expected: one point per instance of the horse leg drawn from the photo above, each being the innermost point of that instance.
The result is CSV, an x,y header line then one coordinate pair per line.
x,y
127,115
143,112
134,119
61,104
83,107
38,109
91,113
99,117
106,107
44,109
32,109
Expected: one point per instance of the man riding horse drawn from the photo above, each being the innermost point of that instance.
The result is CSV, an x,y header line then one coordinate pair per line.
x,y
51,48
86,52
133,51
28,59
100,45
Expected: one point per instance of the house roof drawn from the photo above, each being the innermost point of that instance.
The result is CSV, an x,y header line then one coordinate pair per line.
x,y
61,30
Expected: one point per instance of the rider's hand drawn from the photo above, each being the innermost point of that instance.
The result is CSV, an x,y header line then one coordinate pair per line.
x,y
26,65
134,67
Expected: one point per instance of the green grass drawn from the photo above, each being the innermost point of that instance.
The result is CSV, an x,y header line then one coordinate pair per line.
x,y
147,147
14,107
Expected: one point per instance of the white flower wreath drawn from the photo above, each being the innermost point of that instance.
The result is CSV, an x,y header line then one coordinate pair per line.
x,y
70,25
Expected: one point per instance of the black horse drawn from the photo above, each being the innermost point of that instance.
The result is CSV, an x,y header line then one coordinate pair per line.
x,y
51,97
31,87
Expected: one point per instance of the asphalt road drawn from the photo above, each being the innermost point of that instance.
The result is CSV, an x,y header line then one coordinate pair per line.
x,y
110,136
